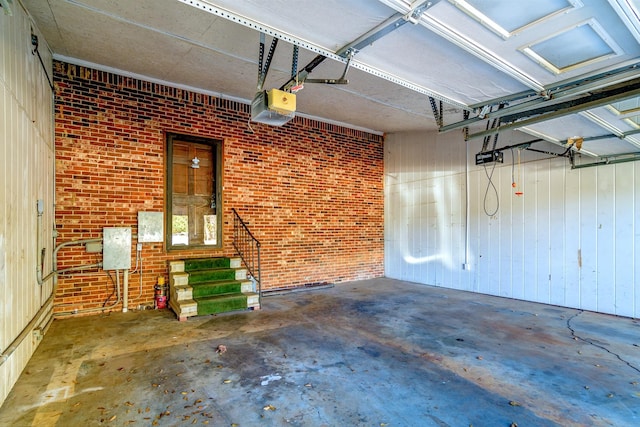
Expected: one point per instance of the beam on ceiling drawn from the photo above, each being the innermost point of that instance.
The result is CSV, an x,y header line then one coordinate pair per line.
x,y
585,82
619,92
611,160
208,7
623,135
390,24
630,15
612,93
553,94
394,22
350,49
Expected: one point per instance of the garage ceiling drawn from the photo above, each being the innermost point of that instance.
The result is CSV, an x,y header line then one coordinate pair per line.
x,y
556,69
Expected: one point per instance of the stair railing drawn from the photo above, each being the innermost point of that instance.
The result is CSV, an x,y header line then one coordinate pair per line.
x,y
248,248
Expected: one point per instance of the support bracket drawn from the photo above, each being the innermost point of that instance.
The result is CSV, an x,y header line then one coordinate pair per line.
x,y
339,81
437,111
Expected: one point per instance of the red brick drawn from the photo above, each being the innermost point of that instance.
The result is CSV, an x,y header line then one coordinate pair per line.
x,y
312,192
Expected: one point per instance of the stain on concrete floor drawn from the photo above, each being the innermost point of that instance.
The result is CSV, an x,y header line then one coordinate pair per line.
x,y
369,353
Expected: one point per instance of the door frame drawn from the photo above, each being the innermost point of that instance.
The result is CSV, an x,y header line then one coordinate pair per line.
x,y
216,145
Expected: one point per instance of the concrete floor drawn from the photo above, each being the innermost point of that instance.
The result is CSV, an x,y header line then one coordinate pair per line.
x,y
369,353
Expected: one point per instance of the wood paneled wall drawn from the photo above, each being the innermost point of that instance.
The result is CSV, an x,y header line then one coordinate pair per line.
x,y
571,239
26,176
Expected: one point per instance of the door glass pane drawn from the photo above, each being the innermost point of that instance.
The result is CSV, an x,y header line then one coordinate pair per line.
x,y
180,230
210,230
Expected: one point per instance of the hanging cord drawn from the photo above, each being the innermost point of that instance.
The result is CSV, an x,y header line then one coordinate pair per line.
x,y
489,175
35,43
513,164
519,193
490,184
104,304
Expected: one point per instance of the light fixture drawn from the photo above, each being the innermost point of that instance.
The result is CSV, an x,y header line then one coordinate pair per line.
x,y
195,163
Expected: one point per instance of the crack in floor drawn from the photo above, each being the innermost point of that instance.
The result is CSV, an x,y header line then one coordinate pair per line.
x,y
575,336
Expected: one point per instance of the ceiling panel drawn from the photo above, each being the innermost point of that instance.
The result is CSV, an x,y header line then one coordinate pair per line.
x,y
506,20
574,47
474,81
330,24
467,53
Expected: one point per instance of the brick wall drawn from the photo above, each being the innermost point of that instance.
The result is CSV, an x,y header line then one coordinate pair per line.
x,y
311,192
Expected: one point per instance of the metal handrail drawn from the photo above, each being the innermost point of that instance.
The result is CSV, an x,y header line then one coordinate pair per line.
x,y
248,248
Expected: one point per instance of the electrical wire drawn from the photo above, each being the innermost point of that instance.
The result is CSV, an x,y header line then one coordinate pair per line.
x,y
104,304
36,44
513,164
490,184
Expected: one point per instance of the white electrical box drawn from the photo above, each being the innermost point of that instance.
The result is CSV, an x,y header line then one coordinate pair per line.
x,y
150,227
116,248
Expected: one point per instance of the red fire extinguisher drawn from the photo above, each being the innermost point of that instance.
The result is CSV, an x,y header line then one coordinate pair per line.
x,y
160,296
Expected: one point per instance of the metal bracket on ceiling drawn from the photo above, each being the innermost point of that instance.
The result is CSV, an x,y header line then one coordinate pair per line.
x,y
611,160
596,98
415,13
264,70
465,130
550,99
294,61
339,81
301,75
437,111
387,26
349,50
322,53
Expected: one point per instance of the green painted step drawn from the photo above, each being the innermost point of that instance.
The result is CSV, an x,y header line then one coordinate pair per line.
x,y
202,290
201,276
221,304
205,286
206,264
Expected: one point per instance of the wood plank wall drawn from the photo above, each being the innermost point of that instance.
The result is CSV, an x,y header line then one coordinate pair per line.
x,y
571,239
26,176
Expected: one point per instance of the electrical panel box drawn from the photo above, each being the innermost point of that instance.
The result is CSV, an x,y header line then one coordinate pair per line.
x,y
116,248
150,227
